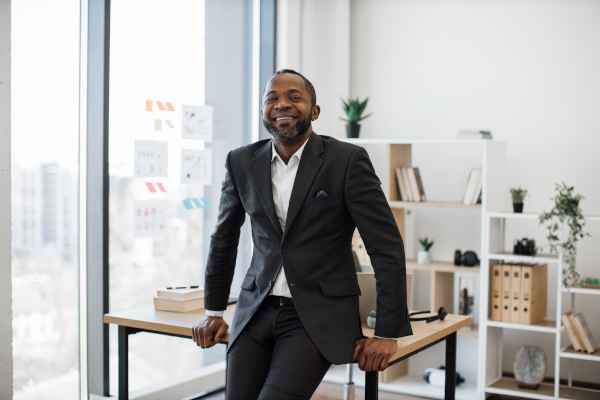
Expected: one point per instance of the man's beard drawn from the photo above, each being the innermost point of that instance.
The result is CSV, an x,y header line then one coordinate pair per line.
x,y
288,133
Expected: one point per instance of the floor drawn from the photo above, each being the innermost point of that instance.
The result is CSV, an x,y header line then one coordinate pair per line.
x,y
331,391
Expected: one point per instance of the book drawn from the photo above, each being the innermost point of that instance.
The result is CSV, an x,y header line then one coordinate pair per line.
x,y
473,183
476,196
586,339
181,294
496,289
178,305
533,291
515,294
409,193
473,134
567,324
505,299
420,184
401,186
414,187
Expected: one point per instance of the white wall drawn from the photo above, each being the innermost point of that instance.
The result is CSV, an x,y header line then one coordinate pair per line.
x,y
6,362
525,69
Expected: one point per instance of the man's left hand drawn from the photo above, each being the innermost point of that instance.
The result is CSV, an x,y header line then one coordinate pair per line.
x,y
373,354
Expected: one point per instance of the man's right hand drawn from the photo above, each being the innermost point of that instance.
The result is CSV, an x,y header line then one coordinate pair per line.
x,y
209,331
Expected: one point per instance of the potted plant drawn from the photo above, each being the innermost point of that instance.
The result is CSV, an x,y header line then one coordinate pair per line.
x,y
354,110
565,210
518,195
423,256
371,319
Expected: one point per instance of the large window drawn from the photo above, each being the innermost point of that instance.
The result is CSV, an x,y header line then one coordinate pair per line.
x,y
45,106
166,162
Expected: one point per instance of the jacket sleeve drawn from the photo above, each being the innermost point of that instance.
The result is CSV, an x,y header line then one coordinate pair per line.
x,y
223,248
373,217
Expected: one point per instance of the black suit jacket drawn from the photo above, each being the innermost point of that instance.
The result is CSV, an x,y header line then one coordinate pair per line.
x,y
315,246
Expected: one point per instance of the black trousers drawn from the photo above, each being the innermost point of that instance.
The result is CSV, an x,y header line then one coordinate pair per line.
x,y
274,358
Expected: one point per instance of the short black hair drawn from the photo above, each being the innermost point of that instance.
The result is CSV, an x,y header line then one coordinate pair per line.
x,y
309,86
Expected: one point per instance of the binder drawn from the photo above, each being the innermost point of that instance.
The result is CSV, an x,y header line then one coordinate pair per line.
x,y
505,274
496,292
533,292
515,294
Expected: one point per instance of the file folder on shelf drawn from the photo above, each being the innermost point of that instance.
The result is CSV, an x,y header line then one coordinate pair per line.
x,y
533,291
505,273
515,294
496,292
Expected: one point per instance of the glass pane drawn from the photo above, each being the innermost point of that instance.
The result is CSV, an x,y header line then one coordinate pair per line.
x,y
164,187
45,107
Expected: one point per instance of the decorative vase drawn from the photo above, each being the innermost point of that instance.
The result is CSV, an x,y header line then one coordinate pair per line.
x,y
371,322
530,366
518,207
352,130
423,257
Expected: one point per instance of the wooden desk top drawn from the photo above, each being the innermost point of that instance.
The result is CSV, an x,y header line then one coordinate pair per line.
x,y
182,323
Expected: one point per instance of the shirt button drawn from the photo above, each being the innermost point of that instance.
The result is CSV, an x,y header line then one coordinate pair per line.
x,y
287,174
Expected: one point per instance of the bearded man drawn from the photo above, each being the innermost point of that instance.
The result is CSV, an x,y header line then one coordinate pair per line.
x,y
297,312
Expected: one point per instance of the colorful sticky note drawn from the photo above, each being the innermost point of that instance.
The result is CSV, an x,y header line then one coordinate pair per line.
x,y
149,105
187,204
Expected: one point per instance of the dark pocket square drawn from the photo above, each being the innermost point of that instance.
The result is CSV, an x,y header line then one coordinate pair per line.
x,y
321,194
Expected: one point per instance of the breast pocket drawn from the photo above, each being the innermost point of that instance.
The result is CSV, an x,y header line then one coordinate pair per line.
x,y
326,201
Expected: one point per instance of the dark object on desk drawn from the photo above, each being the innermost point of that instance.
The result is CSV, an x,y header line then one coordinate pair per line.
x,y
524,246
437,377
530,367
440,315
468,259
232,300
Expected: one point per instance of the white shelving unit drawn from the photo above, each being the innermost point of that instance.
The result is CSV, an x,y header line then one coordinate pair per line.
x,y
490,341
494,197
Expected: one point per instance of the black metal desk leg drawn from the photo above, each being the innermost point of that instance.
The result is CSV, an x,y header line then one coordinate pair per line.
x,y
372,385
123,363
450,367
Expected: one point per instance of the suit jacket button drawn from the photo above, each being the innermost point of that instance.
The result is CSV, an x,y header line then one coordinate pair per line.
x,y
285,250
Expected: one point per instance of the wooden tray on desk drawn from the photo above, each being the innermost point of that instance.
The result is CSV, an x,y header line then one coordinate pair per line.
x,y
148,318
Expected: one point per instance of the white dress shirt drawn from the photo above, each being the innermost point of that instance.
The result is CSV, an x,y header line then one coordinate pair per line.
x,y
282,181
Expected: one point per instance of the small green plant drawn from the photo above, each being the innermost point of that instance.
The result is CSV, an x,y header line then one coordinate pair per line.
x,y
565,210
354,110
373,314
518,195
426,243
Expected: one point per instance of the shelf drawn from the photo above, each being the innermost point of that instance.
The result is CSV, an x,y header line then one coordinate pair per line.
x,y
408,384
569,352
513,215
576,288
510,387
440,204
546,325
510,257
574,393
415,141
472,333
443,266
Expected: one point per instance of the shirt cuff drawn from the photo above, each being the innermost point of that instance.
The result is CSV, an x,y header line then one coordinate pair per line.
x,y
381,337
211,313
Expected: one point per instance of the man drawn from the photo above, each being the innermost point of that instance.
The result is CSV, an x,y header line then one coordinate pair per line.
x,y
297,312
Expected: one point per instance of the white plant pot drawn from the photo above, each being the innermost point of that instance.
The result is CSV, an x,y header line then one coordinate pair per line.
x,y
371,322
423,257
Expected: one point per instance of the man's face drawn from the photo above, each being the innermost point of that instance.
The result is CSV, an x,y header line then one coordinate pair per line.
x,y
286,107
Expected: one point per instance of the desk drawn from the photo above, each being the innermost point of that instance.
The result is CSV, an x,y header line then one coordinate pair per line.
x,y
147,319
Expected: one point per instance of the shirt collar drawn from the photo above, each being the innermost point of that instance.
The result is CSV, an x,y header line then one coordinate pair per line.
x,y
297,154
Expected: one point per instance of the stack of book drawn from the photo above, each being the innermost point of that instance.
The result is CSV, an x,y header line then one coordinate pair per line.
x,y
519,292
579,332
180,299
473,189
410,184
473,134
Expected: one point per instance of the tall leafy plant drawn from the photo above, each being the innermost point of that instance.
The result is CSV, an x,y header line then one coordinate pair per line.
x,y
565,210
354,109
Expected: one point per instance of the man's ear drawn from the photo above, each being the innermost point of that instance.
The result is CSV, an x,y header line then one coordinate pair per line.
x,y
315,112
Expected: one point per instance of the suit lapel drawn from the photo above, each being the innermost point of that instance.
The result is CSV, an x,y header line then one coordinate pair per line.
x,y
260,170
309,165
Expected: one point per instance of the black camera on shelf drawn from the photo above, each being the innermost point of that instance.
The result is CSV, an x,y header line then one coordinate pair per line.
x,y
524,246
